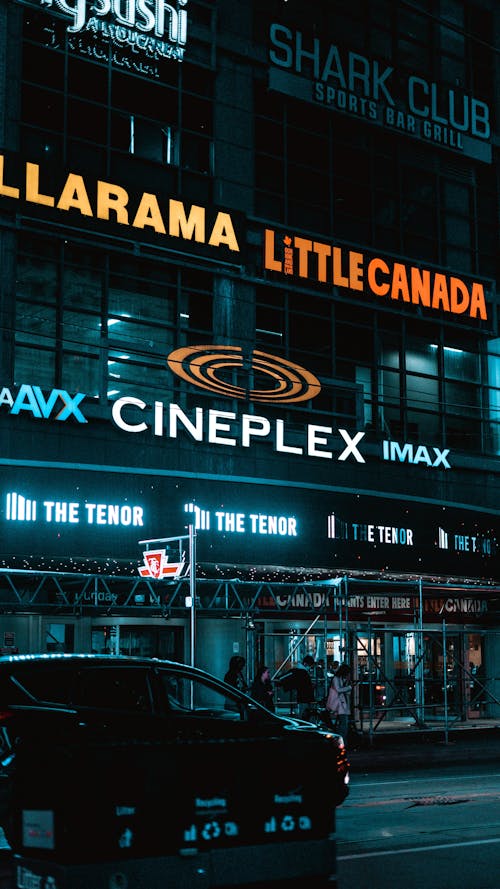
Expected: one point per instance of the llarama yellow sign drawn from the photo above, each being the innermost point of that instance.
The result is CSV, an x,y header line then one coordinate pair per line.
x,y
110,202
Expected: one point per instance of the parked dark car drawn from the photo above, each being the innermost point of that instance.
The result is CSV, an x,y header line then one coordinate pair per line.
x,y
139,757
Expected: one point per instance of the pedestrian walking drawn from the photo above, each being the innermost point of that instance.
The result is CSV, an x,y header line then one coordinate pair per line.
x,y
299,680
234,675
338,702
262,688
332,667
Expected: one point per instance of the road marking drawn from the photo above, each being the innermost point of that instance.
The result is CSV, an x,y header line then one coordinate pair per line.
x,y
420,780
392,800
417,849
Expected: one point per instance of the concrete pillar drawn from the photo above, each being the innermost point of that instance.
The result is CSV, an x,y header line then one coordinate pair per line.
x,y
491,673
388,668
216,642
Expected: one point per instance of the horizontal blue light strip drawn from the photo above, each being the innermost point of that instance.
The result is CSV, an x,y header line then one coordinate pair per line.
x,y
246,480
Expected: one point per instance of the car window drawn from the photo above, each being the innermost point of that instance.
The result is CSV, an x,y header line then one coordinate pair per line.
x,y
37,682
117,688
198,697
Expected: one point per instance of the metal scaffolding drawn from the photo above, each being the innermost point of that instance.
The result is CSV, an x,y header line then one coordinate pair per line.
x,y
381,694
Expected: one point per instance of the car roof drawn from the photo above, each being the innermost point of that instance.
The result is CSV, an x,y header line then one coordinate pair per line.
x,y
122,660
72,660
75,655
65,660
75,658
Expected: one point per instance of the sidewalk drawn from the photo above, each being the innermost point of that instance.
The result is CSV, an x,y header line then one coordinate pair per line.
x,y
399,746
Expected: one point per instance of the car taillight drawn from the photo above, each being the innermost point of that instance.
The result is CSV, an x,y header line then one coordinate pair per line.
x,y
5,715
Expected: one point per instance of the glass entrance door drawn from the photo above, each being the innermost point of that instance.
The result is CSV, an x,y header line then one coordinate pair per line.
x,y
139,641
444,675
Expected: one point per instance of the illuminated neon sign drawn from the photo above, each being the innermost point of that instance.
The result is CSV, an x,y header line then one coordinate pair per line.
x,y
19,508
93,513
372,276
231,522
153,27
157,566
111,203
219,427
369,533
229,429
461,542
59,405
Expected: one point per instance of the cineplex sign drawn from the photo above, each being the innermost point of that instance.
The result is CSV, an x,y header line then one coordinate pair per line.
x,y
73,513
218,428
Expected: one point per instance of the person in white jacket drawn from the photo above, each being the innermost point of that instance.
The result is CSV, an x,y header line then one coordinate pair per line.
x,y
342,684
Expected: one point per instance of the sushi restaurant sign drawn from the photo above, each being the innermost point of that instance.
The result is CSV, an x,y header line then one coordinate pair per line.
x,y
149,27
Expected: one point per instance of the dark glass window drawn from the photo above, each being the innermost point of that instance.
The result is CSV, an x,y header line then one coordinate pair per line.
x,y
114,688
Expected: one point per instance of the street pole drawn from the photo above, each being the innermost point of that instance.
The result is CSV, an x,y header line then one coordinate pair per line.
x,y
445,684
192,590
419,659
370,679
190,601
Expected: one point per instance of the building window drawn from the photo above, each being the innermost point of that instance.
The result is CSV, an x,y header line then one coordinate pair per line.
x,y
151,141
82,102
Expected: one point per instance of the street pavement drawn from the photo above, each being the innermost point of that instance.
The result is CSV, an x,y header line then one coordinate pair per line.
x,y
418,748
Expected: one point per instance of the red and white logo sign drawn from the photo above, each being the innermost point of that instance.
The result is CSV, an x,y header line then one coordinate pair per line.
x,y
157,566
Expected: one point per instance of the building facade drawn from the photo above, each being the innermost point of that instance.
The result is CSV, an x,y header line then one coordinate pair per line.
x,y
250,394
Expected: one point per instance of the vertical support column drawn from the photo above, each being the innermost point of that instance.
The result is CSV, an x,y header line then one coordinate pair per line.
x,y
489,675
370,663
249,646
388,673
445,685
324,689
192,591
344,620
419,659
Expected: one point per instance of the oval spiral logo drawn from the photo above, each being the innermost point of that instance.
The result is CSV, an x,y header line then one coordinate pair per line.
x,y
210,367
